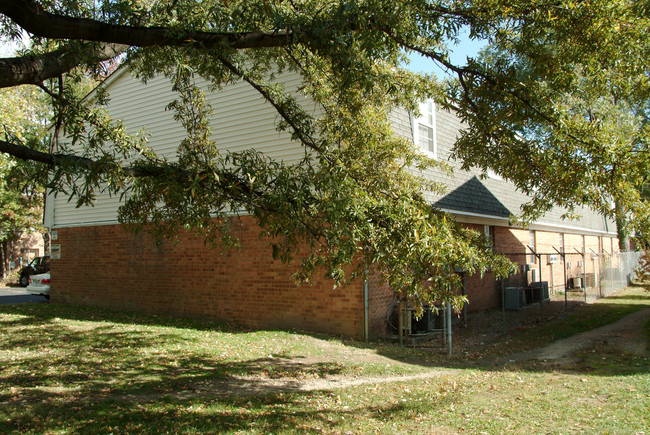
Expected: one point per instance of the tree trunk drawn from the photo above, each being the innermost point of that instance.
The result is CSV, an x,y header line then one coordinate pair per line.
x,y
3,257
621,231
46,243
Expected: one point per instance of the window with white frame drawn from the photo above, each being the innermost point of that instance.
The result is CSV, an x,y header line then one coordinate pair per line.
x,y
531,242
424,128
488,232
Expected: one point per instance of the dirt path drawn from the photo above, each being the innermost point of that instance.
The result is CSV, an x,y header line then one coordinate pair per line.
x,y
625,335
238,386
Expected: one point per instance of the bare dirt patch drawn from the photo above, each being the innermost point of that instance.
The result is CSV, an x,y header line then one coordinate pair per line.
x,y
243,386
485,329
627,335
322,372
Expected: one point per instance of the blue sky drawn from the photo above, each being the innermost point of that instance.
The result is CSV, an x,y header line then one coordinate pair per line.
x,y
459,53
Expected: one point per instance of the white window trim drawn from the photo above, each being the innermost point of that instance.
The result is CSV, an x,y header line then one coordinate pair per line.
x,y
532,241
488,232
416,131
494,175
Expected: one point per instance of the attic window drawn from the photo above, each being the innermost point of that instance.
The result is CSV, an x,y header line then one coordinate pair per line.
x,y
424,128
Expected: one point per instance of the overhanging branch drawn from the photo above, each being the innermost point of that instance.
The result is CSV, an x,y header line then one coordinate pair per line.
x,y
32,17
227,181
29,154
114,39
34,69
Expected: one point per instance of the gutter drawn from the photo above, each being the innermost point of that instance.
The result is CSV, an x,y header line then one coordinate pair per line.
x,y
484,219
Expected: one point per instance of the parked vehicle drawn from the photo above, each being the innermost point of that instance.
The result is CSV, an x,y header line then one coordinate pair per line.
x,y
37,266
39,285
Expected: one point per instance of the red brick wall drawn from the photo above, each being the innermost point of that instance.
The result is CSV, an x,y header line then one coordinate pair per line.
x,y
109,267
380,297
515,241
482,292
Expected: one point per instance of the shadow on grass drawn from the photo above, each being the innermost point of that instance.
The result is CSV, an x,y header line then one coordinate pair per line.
x,y
601,361
81,376
95,314
53,360
77,366
276,413
483,344
101,363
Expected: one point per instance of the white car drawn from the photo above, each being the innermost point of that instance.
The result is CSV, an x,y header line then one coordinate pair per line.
x,y
39,285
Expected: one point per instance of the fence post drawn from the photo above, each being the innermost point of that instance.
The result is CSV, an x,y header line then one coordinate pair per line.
x,y
566,302
541,299
503,304
448,318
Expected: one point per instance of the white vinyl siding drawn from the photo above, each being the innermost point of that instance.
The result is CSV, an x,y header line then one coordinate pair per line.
x,y
242,120
494,175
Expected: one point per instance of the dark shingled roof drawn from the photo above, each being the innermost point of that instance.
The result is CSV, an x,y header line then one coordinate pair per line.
x,y
472,192
472,196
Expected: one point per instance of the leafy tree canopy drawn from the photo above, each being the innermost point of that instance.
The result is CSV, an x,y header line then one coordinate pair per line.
x,y
24,115
557,105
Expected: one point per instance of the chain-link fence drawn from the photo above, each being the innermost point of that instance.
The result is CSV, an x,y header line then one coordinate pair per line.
x,y
570,277
617,271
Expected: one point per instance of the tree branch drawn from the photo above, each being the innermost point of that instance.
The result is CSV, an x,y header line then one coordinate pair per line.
x,y
34,69
228,184
29,154
32,17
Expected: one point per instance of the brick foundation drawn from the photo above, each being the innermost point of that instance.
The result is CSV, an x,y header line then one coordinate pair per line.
x,y
108,266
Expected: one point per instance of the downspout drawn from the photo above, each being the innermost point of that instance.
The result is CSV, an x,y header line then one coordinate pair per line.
x,y
584,272
365,306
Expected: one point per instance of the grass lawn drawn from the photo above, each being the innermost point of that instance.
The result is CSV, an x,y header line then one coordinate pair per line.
x,y
69,369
